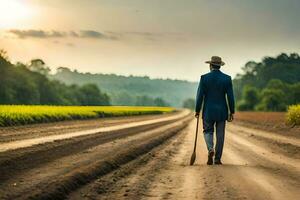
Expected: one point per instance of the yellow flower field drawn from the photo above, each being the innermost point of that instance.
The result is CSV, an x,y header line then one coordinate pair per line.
x,y
26,114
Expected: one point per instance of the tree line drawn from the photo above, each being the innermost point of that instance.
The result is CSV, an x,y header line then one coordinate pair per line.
x,y
132,90
30,84
269,85
126,99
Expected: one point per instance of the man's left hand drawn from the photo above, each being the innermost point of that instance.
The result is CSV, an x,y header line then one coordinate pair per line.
x,y
230,118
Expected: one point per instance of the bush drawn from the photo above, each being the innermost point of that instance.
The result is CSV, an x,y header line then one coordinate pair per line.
x,y
250,98
243,106
272,100
293,115
189,103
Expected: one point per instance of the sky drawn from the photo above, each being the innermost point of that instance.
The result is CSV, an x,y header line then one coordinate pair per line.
x,y
157,38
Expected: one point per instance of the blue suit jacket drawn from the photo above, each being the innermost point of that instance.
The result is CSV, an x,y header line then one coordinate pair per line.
x,y
212,90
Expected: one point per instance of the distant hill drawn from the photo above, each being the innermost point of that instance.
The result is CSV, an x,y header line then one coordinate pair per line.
x,y
124,90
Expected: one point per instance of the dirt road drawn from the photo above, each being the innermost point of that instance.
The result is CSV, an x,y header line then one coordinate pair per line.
x,y
150,161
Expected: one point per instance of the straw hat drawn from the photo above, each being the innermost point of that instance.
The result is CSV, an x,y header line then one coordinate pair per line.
x,y
216,60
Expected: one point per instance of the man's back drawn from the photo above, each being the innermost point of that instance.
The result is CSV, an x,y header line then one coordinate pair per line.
x,y
212,89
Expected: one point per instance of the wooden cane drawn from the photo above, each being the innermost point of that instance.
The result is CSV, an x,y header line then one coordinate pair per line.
x,y
193,157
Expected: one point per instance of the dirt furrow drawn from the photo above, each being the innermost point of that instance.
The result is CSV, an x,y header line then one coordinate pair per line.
x,y
16,161
250,171
155,165
132,179
14,133
264,134
69,173
45,139
282,145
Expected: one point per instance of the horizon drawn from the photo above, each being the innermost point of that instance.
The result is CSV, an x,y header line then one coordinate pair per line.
x,y
169,39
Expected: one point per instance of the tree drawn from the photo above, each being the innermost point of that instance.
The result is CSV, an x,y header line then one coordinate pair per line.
x,y
294,94
63,70
250,98
144,101
92,96
29,84
189,103
272,76
277,84
5,92
123,99
38,65
172,91
160,102
272,100
3,55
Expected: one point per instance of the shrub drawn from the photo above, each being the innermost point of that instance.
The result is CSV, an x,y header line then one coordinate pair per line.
x,y
272,100
189,103
250,98
293,115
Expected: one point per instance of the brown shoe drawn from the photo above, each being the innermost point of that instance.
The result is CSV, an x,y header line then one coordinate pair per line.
x,y
218,162
210,157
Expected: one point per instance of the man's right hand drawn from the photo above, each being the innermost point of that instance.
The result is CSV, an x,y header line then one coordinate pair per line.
x,y
230,118
197,115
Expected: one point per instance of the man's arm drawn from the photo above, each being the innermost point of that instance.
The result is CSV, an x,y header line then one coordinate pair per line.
x,y
230,98
199,98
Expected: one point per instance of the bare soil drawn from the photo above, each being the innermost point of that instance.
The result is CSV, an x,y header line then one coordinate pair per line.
x,y
54,128
250,170
270,121
152,162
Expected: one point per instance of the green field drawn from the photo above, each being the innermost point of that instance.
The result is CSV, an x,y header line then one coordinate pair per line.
x,y
11,115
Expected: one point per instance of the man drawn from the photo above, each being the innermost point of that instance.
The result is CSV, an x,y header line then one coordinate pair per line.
x,y
213,89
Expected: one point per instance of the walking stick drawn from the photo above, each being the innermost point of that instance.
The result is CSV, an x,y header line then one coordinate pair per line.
x,y
193,158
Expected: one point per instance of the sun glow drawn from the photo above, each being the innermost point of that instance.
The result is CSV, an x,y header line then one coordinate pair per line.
x,y
13,12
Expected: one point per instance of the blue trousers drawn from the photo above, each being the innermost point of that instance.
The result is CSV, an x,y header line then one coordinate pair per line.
x,y
208,130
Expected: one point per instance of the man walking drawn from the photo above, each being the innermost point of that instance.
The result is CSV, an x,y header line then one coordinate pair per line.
x,y
213,89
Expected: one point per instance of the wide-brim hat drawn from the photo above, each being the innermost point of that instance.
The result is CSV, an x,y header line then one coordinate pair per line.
x,y
216,60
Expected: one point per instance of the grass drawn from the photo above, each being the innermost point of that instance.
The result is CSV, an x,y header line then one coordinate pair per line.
x,y
11,115
293,115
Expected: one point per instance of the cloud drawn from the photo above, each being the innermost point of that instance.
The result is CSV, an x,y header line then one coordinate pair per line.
x,y
135,33
145,35
37,33
73,34
31,33
96,35
91,34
